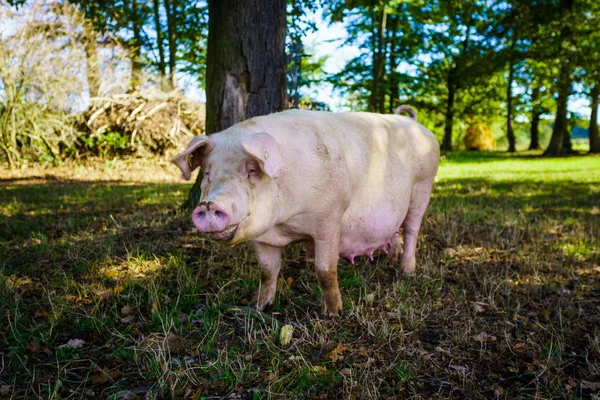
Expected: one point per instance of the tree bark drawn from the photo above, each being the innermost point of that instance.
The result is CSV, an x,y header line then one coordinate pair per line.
x,y
510,134
560,135
536,112
136,47
246,64
378,61
171,12
90,46
594,137
159,44
393,60
560,123
447,142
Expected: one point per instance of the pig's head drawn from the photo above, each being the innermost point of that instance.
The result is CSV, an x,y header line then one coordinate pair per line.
x,y
239,192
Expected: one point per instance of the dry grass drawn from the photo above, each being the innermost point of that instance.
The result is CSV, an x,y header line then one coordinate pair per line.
x,y
106,291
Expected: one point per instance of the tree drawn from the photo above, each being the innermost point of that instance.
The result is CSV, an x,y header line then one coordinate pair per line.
x,y
593,129
246,64
463,62
564,50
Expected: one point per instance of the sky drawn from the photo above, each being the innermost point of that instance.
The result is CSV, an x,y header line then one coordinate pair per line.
x,y
328,40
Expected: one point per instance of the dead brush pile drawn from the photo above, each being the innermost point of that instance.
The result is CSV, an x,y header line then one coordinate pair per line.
x,y
141,123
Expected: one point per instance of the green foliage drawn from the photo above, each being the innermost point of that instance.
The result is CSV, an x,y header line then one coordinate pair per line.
x,y
109,143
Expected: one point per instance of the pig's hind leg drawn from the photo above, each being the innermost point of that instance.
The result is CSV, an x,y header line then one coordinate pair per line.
x,y
269,258
419,199
396,247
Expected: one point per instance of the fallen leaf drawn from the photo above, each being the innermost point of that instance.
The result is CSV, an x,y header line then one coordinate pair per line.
x,y
288,282
571,384
106,376
126,310
362,350
478,307
5,390
40,314
318,369
519,346
483,337
103,294
460,369
270,378
285,335
47,351
336,353
177,344
33,347
449,252
347,372
128,319
590,385
73,343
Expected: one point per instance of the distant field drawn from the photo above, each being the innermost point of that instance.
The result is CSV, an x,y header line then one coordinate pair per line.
x,y
107,291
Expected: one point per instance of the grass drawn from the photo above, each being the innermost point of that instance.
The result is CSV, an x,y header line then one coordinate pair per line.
x,y
106,291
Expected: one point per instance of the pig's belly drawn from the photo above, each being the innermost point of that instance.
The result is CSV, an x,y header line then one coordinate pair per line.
x,y
365,231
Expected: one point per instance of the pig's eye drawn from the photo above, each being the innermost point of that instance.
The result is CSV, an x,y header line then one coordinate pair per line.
x,y
252,170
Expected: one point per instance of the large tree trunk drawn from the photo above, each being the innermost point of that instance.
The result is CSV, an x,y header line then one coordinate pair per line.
x,y
246,64
447,142
90,46
536,112
560,135
136,47
159,44
594,137
393,60
510,134
378,61
171,12
560,123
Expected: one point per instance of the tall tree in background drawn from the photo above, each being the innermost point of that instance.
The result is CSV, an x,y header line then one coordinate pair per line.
x,y
386,34
130,24
162,74
563,51
459,51
246,64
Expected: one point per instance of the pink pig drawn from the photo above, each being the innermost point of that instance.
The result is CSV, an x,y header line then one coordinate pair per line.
x,y
343,182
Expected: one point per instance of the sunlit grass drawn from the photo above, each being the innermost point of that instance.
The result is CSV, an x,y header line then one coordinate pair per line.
x,y
508,253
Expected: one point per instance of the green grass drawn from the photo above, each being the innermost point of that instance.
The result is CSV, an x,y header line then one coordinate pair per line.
x,y
505,302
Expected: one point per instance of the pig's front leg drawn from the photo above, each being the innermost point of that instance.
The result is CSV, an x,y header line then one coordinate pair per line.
x,y
326,260
269,258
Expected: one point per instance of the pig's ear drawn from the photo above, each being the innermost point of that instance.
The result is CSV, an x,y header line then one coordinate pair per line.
x,y
264,149
190,158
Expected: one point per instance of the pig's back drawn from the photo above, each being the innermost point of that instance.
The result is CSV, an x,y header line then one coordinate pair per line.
x,y
364,148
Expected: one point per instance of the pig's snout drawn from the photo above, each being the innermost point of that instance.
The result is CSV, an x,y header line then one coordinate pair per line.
x,y
209,217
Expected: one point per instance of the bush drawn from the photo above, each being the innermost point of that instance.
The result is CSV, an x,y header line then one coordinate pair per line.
x,y
38,83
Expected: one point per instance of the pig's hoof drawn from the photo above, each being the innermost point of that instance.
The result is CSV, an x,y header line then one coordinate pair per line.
x,y
409,267
332,305
262,300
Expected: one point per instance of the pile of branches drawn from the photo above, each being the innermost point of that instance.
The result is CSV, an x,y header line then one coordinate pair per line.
x,y
141,122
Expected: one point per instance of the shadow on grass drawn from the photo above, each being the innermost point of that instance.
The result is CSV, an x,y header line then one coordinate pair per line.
x,y
512,259
492,156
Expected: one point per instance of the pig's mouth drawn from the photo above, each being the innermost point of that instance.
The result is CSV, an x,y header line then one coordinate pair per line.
x,y
225,235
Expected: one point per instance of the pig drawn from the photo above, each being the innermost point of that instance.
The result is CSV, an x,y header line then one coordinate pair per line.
x,y
345,183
